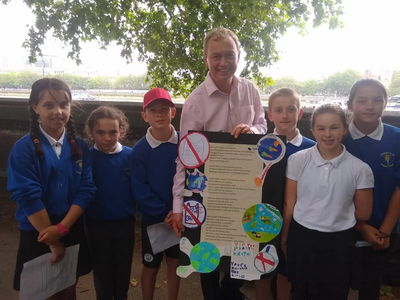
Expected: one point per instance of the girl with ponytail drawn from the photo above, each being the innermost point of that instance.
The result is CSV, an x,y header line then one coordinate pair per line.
x,y
49,176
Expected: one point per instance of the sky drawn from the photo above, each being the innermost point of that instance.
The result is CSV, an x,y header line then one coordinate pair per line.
x,y
368,40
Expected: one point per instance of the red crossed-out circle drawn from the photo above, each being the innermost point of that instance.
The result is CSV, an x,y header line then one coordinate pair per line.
x,y
187,139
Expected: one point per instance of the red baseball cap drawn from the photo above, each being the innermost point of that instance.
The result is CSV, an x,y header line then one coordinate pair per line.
x,y
155,94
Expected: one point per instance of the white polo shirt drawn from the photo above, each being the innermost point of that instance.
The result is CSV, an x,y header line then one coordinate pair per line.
x,y
56,145
325,189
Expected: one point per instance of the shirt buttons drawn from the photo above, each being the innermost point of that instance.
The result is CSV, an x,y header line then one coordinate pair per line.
x,y
59,212
59,172
59,198
59,185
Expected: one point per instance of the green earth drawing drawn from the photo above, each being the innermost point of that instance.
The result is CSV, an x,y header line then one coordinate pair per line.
x,y
205,257
262,222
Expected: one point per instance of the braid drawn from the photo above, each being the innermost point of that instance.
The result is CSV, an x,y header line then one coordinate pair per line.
x,y
76,151
35,132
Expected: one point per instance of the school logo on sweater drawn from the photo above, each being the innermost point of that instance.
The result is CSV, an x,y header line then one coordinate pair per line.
x,y
388,158
78,166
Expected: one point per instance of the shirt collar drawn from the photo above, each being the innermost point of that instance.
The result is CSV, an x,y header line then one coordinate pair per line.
x,y
212,88
155,143
357,134
51,140
296,141
118,149
319,161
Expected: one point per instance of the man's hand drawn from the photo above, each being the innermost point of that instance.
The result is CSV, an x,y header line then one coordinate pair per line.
x,y
177,224
49,235
241,128
58,251
372,236
168,219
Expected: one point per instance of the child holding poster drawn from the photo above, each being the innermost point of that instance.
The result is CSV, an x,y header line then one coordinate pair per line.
x,y
284,111
327,191
153,168
378,145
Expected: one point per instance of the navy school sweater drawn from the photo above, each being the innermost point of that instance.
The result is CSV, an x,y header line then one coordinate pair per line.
x,y
384,159
111,175
152,173
50,183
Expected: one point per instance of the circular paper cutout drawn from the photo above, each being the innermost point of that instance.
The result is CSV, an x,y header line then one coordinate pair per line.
x,y
262,222
196,181
270,148
194,213
193,150
205,257
266,261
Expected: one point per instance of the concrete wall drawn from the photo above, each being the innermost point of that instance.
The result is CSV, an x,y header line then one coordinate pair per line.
x,y
14,122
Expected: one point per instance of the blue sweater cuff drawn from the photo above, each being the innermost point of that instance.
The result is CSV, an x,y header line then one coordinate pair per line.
x,y
32,207
81,202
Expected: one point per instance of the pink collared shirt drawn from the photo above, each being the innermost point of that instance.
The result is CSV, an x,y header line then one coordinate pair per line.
x,y
209,109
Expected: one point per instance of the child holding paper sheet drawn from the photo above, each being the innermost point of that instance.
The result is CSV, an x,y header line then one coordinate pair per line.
x,y
327,191
50,177
109,219
378,145
152,171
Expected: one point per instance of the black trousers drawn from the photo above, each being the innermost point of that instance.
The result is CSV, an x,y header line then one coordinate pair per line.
x,y
111,245
373,264
228,290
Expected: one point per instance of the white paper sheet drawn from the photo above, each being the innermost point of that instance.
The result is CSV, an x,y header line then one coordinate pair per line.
x,y
249,264
40,279
162,237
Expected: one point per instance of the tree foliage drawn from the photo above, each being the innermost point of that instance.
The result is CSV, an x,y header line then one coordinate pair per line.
x,y
394,87
288,82
131,82
25,79
169,34
21,80
340,83
310,87
337,84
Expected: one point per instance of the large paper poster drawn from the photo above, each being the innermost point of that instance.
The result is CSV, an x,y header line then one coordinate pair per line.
x,y
233,202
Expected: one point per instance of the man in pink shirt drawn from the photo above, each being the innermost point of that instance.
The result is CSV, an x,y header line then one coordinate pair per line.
x,y
222,103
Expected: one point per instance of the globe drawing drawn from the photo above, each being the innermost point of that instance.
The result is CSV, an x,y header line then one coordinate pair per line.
x,y
269,149
196,182
262,222
205,257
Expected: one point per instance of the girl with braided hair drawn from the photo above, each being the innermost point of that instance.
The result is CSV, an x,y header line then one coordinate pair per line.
x,y
50,178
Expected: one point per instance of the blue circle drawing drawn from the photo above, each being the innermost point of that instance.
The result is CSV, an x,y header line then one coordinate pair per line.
x,y
205,257
196,181
262,222
269,149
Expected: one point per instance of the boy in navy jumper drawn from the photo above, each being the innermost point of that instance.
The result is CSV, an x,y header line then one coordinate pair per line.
x,y
152,171
284,111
